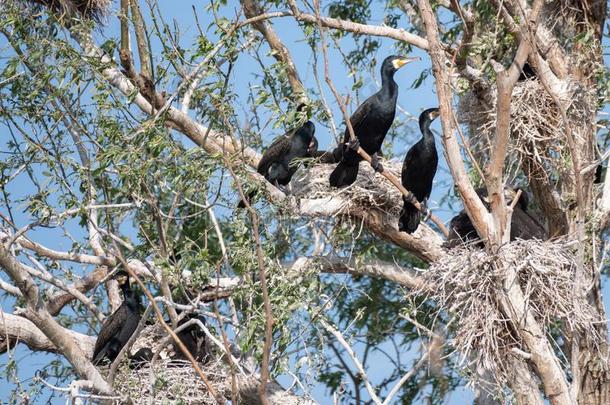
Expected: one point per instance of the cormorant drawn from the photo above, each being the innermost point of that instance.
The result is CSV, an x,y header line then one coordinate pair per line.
x,y
277,164
523,224
118,327
194,339
418,170
140,358
371,122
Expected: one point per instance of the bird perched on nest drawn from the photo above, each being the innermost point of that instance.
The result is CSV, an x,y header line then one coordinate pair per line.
x,y
118,327
278,163
418,170
194,339
371,122
523,224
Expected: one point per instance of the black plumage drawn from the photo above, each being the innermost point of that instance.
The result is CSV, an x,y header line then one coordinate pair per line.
x,y
118,327
527,73
418,170
277,164
371,122
194,339
523,224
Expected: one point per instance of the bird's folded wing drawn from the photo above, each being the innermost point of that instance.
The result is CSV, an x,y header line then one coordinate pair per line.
x,y
279,148
110,328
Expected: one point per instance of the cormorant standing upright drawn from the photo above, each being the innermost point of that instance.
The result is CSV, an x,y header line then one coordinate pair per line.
x,y
118,327
418,170
371,122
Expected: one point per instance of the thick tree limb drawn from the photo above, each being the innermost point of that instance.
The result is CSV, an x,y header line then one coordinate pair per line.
x,y
280,52
373,268
506,80
38,314
21,330
365,29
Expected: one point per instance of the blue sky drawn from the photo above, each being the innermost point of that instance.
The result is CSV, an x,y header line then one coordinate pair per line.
x,y
412,100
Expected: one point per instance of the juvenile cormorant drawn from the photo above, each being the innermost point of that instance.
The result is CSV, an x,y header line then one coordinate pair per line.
x,y
523,224
418,170
118,327
371,122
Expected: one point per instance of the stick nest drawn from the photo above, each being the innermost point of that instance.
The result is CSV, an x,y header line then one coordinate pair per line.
x,y
370,190
94,10
538,139
169,380
468,284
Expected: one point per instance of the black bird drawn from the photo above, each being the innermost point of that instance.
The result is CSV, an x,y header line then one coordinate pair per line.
x,y
194,339
527,73
418,170
523,224
277,163
118,327
371,122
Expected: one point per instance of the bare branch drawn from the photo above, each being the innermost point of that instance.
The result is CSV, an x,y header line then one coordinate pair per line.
x,y
19,329
354,358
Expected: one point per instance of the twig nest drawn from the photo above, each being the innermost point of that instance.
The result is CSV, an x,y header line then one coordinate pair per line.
x,y
166,381
538,133
468,284
370,190
90,9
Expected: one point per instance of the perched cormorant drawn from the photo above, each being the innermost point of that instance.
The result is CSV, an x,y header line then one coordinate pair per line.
x,y
118,327
523,224
371,122
194,339
418,170
277,162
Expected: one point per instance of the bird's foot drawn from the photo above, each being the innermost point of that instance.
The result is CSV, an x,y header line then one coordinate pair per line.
x,y
354,144
425,210
376,164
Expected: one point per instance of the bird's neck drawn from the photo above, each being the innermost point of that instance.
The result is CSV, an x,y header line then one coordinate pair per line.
x,y
389,88
131,298
425,130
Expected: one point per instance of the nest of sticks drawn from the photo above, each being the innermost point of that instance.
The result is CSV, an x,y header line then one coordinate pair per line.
x,y
537,131
370,190
468,283
94,10
167,380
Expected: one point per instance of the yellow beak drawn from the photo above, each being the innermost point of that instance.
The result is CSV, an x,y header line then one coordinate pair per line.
x,y
400,62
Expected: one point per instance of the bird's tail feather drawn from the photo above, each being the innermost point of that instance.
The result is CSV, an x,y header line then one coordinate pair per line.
x,y
343,175
409,218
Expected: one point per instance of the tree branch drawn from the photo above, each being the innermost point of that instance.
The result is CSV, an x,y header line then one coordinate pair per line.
x,y
38,314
